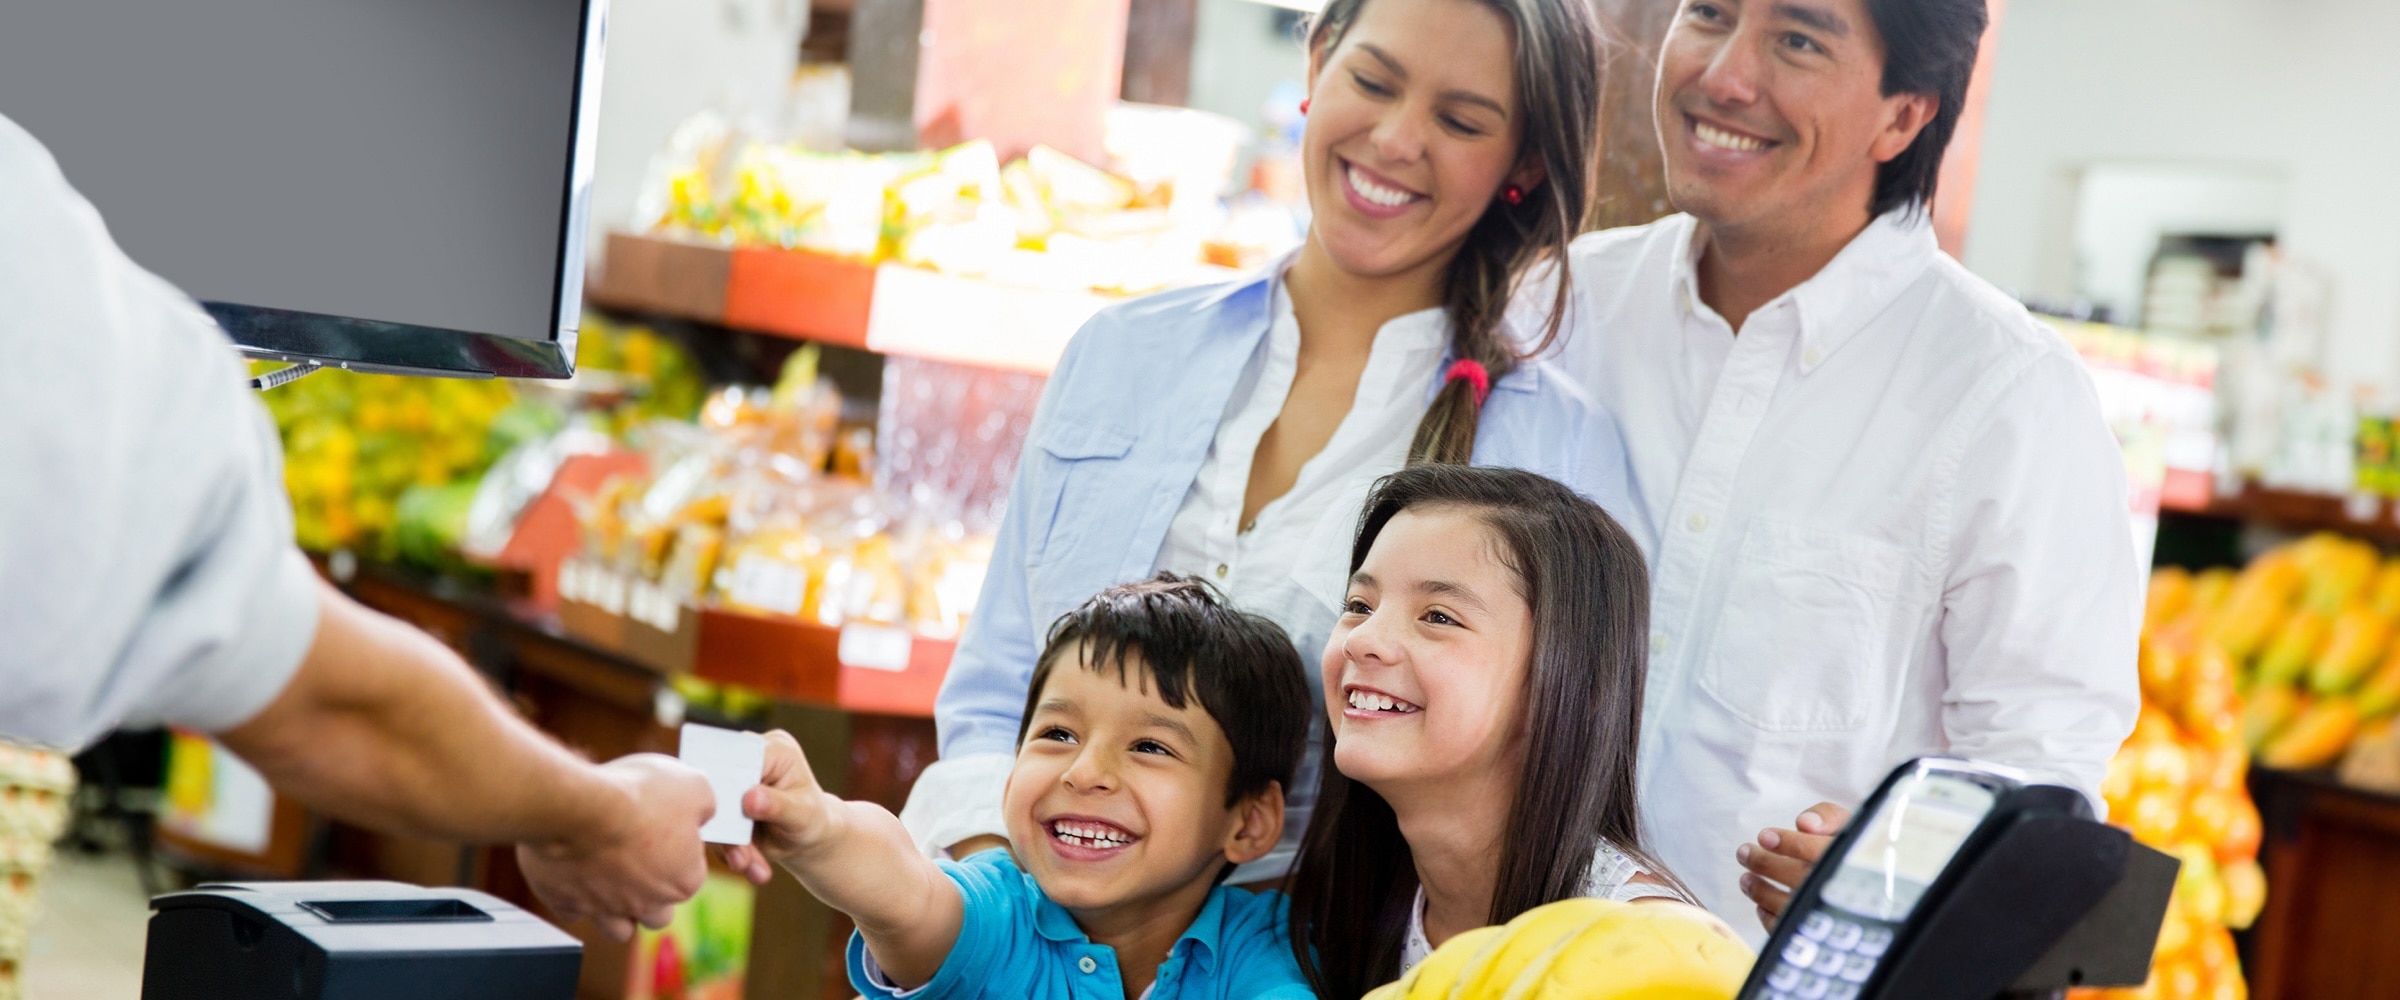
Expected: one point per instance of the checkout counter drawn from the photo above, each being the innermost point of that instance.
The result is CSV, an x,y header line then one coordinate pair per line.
x,y
1958,881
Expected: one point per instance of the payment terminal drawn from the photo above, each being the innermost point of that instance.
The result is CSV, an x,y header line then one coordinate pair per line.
x,y
1953,881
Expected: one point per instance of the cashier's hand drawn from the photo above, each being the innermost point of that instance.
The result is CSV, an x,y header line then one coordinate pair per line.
x,y
793,813
638,866
1781,859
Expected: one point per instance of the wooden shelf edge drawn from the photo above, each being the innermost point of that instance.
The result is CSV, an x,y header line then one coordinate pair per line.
x,y
2300,511
889,309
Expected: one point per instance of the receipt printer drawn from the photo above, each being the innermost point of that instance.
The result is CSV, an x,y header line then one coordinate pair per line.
x,y
351,941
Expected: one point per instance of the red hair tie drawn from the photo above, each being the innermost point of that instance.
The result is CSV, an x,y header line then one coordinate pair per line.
x,y
1472,371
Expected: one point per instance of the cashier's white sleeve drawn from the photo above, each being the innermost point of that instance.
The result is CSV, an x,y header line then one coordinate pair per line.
x,y
147,572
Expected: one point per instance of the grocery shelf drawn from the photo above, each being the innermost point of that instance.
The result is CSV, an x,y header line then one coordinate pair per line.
x,y
877,669
886,308
2375,519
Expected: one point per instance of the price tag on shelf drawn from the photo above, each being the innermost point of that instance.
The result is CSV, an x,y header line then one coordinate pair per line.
x,y
876,647
768,584
654,606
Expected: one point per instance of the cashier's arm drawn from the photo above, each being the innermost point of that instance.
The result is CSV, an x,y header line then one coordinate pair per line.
x,y
857,858
386,727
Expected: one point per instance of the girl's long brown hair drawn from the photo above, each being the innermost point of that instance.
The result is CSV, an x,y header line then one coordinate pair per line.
x,y
1558,95
1583,579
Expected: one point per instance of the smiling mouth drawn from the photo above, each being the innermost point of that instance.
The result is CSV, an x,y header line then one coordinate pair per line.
x,y
1375,192
1091,835
1364,700
1725,138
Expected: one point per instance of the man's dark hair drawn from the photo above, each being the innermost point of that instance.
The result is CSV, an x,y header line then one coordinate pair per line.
x,y
1928,48
1191,643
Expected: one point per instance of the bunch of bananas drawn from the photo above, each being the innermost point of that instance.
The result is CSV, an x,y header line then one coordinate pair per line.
x,y
1585,949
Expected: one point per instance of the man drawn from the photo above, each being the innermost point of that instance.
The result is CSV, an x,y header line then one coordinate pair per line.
x,y
1889,517
147,574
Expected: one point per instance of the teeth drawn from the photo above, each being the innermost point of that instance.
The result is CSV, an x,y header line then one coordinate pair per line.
x,y
1377,193
1719,137
1367,701
1089,835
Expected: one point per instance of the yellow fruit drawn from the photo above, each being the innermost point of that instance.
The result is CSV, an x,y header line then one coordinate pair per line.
x,y
2380,695
2271,708
2339,574
1654,951
2162,674
2245,893
2384,594
1529,939
2297,644
2155,816
2170,593
2210,588
2316,738
2199,885
2249,617
2163,764
1438,973
2353,643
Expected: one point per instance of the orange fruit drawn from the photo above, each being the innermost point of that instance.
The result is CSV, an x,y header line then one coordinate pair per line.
x,y
2156,815
2245,892
2163,764
2242,832
2153,725
2208,816
2183,981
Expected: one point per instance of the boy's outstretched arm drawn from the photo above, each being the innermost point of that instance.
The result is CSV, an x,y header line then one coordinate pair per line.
x,y
857,858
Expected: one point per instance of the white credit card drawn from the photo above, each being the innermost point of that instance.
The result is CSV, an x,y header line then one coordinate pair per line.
x,y
733,762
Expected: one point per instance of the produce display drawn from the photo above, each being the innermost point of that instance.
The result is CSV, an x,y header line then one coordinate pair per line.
x,y
34,785
767,506
2288,661
1585,949
388,464
1152,219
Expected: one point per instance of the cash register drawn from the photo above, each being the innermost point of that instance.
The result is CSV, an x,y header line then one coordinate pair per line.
x,y
1965,881
352,941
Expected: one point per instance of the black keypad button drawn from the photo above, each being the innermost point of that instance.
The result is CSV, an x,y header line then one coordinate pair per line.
x,y
1816,926
1845,935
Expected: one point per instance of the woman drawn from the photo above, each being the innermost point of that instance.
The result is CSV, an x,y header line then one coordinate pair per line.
x,y
1232,431
1484,687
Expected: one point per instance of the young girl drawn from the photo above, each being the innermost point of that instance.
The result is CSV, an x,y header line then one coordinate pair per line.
x,y
1231,432
1484,685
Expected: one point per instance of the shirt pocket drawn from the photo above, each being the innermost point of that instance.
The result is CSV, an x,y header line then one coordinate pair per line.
x,y
1803,640
1093,503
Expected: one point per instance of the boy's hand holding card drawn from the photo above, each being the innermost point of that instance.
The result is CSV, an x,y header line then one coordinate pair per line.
x,y
782,795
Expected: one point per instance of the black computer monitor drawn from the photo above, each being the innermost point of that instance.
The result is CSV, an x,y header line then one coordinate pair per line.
x,y
390,185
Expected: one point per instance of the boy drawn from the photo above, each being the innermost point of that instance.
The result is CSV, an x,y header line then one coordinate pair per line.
x,y
1158,735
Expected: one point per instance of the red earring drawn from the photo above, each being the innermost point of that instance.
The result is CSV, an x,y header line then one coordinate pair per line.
x,y
1304,105
1513,194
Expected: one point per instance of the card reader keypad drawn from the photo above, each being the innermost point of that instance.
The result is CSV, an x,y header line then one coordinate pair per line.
x,y
1829,957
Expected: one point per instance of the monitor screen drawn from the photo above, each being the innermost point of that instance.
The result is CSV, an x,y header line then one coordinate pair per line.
x,y
393,184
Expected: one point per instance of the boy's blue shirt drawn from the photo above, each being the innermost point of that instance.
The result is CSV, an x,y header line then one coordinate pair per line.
x,y
1014,943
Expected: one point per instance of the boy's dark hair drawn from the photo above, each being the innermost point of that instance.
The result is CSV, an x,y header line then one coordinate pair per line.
x,y
1928,48
1190,642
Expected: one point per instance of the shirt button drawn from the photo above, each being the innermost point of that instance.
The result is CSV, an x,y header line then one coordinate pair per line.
x,y
1658,643
1220,576
1087,965
1812,357
1699,522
